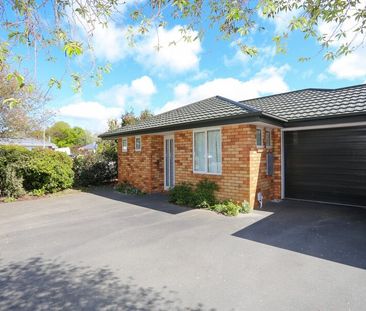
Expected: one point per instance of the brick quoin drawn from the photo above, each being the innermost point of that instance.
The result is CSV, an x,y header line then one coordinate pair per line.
x,y
243,164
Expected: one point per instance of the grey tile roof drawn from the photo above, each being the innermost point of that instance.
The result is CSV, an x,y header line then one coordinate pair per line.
x,y
313,103
290,106
208,109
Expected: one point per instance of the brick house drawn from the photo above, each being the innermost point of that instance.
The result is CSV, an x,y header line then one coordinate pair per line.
x,y
308,144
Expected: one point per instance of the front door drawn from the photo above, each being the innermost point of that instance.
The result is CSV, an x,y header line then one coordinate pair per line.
x,y
168,162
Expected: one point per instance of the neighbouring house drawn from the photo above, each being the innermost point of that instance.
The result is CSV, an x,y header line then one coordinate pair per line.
x,y
90,148
66,150
308,144
29,143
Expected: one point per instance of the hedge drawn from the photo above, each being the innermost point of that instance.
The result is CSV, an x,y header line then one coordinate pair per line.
x,y
94,169
42,169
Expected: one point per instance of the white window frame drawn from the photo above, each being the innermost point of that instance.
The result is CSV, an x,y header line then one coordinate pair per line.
x,y
205,130
138,149
260,129
124,148
270,138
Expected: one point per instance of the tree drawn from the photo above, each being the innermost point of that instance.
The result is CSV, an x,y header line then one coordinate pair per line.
x,y
21,106
70,25
128,118
65,136
145,115
108,148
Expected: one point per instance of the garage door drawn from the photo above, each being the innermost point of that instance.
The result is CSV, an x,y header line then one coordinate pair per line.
x,y
326,165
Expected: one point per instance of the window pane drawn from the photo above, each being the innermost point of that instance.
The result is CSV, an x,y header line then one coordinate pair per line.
x,y
214,151
138,143
259,137
124,144
199,151
268,138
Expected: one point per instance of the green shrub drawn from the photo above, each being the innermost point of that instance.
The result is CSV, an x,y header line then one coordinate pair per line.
x,y
38,192
182,194
126,188
228,208
9,199
43,169
48,170
200,196
93,169
245,207
204,194
11,185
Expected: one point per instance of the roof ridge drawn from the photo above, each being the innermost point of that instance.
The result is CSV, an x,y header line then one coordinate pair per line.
x,y
238,104
306,89
183,106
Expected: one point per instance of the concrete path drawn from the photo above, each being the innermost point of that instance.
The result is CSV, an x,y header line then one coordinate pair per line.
x,y
106,251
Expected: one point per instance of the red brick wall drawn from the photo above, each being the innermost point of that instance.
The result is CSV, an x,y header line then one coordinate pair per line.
x,y
234,180
270,186
143,169
243,164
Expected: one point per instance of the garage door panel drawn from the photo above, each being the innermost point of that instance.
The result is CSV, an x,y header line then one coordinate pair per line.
x,y
326,165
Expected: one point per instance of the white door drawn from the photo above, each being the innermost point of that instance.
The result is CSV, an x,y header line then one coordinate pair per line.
x,y
168,162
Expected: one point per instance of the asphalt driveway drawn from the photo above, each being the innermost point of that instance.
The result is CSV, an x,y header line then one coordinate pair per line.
x,y
105,251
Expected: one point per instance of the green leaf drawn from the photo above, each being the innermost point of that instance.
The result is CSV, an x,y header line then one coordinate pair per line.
x,y
11,102
73,48
54,82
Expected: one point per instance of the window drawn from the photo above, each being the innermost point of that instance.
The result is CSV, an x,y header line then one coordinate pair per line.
x,y
124,144
138,143
269,164
268,138
259,138
207,151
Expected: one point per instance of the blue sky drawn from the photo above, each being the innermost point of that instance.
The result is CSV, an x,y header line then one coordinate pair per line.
x,y
143,77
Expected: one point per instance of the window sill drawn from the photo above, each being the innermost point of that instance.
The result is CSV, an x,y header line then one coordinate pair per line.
x,y
207,173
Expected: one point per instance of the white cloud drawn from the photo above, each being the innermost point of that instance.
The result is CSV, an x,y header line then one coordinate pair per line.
x,y
264,57
321,77
89,110
110,43
111,103
179,57
137,94
281,20
91,115
351,66
268,81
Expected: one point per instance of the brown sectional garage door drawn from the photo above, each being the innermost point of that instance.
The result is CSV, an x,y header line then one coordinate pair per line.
x,y
326,165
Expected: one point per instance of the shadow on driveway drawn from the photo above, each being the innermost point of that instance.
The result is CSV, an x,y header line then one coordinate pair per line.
x,y
157,201
335,233
36,284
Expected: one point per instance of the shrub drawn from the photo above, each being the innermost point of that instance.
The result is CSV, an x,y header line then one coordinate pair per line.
x,y
48,170
11,185
182,194
245,207
200,196
38,192
126,188
228,208
37,169
204,194
93,169
9,199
